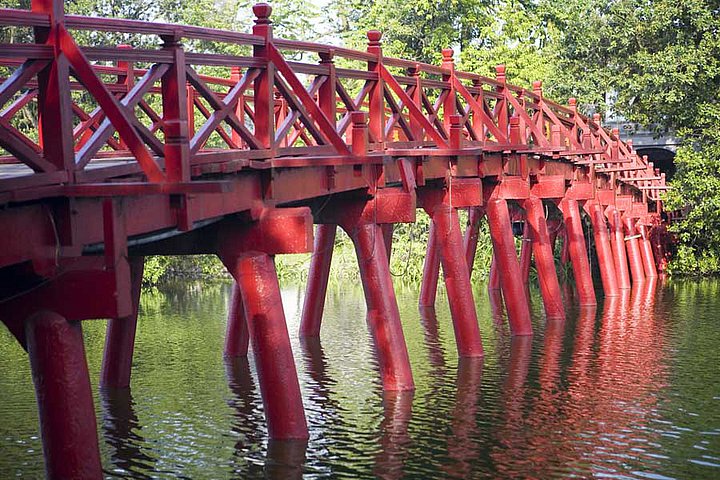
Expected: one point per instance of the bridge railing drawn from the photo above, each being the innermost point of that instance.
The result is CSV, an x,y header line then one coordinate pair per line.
x,y
73,114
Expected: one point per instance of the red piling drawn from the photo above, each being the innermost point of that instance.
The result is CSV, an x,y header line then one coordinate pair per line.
x,y
526,253
647,253
383,314
257,280
237,336
470,239
64,397
457,281
544,259
633,251
431,271
578,251
318,280
618,248
387,230
494,275
120,337
604,253
516,301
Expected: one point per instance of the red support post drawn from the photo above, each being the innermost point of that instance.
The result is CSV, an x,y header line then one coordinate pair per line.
x,y
256,277
470,239
237,336
516,301
376,96
578,251
318,280
387,230
633,251
263,89
618,248
431,270
526,253
647,253
175,114
544,259
120,336
457,279
604,253
383,314
64,397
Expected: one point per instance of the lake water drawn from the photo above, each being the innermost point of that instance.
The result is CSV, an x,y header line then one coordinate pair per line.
x,y
630,389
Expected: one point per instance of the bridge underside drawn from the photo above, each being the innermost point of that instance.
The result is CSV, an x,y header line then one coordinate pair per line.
x,y
166,151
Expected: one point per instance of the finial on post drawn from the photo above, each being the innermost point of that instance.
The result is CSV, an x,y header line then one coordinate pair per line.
x,y
537,88
262,13
500,73
374,37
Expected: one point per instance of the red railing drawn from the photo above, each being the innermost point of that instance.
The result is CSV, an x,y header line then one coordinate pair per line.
x,y
169,114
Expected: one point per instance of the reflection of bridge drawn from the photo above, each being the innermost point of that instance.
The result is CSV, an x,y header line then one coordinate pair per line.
x,y
168,150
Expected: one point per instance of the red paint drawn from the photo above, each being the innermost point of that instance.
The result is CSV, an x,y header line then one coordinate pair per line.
x,y
470,240
578,252
647,252
257,280
618,248
431,270
237,335
604,253
64,397
120,337
317,280
526,253
544,259
633,251
516,301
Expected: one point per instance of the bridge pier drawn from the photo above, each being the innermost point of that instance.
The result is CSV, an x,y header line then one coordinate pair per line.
x,y
526,253
456,274
470,240
647,253
618,248
577,251
602,248
544,259
431,270
633,251
120,336
237,336
318,277
516,301
64,397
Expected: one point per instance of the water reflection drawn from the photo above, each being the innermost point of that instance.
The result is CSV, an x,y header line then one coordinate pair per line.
x,y
122,431
248,423
394,436
463,448
285,459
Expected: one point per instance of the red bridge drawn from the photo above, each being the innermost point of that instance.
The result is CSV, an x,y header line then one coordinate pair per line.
x,y
131,152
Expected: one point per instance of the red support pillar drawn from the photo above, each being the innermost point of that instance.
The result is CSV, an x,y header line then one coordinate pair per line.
x,y
578,251
256,277
604,254
383,313
237,336
526,253
516,301
494,275
120,337
318,280
431,271
457,280
647,253
470,240
387,230
618,248
544,259
64,397
633,251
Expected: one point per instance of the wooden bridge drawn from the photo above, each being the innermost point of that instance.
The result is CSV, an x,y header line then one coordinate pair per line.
x,y
112,153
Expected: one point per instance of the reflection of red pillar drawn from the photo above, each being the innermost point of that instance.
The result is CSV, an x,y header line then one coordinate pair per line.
x,y
578,251
457,281
618,248
604,254
383,314
544,259
317,281
120,337
470,239
526,252
257,279
237,336
633,251
64,397
395,438
461,447
647,253
516,302
431,271
285,459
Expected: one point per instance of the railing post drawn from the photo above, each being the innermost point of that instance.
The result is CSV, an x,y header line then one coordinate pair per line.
x,y
327,97
501,109
235,76
449,106
264,97
359,133
175,114
55,117
416,96
126,79
376,96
